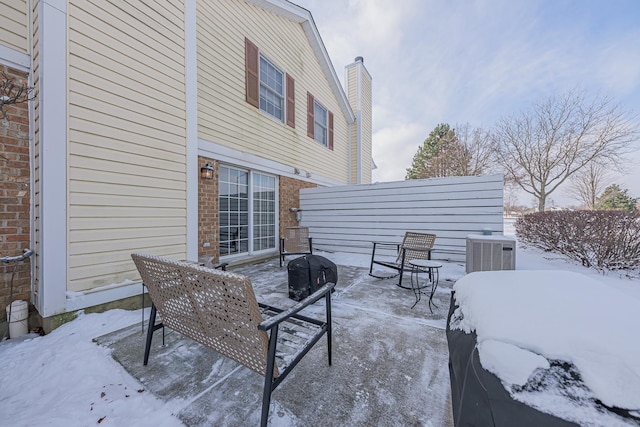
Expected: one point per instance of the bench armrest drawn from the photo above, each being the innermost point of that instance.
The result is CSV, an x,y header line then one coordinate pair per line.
x,y
221,266
279,318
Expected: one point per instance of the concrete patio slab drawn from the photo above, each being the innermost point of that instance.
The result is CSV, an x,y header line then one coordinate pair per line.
x,y
389,362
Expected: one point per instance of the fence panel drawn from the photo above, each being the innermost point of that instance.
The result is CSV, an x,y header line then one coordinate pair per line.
x,y
348,218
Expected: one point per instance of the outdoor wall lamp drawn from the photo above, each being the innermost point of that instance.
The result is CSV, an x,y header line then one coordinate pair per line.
x,y
206,172
298,213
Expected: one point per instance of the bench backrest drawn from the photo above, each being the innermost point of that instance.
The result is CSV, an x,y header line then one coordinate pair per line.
x,y
415,245
213,307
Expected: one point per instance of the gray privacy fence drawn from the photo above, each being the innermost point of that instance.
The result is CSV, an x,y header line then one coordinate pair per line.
x,y
348,218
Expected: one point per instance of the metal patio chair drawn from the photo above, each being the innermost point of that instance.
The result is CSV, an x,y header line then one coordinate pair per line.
x,y
414,246
296,241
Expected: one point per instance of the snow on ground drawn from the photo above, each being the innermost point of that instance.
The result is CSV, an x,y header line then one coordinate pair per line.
x,y
63,378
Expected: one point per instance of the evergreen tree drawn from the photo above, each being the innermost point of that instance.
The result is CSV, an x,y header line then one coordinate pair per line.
x,y
440,155
613,197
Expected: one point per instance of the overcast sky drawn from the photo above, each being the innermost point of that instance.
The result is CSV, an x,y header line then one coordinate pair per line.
x,y
473,62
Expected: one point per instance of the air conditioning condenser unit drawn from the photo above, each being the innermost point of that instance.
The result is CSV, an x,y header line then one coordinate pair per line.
x,y
490,253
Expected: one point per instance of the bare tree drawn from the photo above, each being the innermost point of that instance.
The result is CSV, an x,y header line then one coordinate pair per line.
x,y
589,182
477,156
540,148
13,92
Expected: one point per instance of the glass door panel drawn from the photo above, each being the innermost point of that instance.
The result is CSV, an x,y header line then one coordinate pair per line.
x,y
264,226
234,210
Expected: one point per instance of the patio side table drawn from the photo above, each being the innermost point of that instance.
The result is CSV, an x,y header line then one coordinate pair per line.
x,y
424,266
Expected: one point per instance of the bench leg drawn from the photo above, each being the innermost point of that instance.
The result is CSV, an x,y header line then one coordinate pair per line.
x,y
373,254
402,266
328,302
150,330
268,377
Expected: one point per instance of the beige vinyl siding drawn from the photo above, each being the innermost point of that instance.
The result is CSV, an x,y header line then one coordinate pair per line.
x,y
224,117
352,96
366,127
126,137
14,24
354,155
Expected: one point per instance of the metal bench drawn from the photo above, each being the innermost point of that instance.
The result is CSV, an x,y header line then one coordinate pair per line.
x,y
219,310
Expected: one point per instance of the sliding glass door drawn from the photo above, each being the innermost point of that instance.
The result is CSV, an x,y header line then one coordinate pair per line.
x,y
248,219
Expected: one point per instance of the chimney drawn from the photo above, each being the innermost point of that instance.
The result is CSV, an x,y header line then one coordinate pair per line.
x,y
358,88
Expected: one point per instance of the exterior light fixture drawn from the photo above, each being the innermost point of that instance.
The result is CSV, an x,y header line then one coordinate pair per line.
x,y
206,172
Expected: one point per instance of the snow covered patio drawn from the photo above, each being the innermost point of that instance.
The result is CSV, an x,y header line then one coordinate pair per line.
x,y
389,361
389,365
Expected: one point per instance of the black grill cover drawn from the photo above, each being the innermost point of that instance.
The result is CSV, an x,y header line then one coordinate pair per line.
x,y
309,273
478,396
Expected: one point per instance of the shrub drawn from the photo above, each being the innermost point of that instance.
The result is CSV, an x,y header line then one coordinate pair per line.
x,y
604,240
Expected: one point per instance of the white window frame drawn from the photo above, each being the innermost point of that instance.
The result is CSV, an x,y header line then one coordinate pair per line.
x,y
272,91
322,137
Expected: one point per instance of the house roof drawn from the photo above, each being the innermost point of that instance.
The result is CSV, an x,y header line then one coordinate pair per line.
x,y
302,16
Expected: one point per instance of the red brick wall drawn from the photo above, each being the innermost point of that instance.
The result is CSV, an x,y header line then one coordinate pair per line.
x,y
208,213
208,219
14,198
290,198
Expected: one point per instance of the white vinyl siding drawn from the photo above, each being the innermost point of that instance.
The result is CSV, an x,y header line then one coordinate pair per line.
x,y
126,139
224,116
14,24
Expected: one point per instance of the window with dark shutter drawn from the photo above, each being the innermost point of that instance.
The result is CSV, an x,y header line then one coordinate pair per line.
x,y
310,120
291,101
330,130
252,80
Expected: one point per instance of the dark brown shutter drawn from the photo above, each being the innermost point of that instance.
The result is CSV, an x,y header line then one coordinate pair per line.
x,y
291,101
310,119
252,80
330,130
